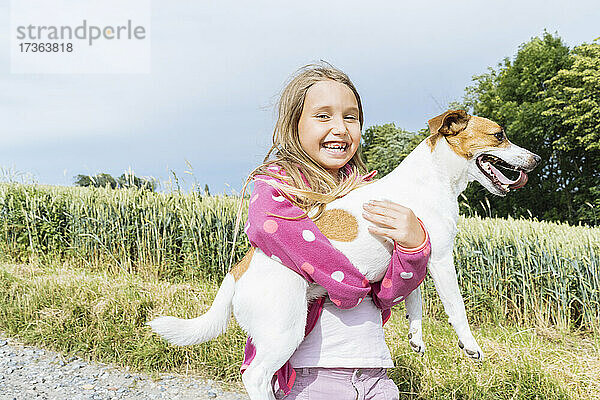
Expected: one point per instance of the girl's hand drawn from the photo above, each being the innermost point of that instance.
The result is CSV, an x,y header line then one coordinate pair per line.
x,y
394,221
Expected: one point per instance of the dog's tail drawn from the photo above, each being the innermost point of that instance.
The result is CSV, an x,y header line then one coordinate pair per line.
x,y
184,332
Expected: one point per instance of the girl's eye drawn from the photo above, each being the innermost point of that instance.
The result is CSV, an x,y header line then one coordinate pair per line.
x,y
351,117
322,116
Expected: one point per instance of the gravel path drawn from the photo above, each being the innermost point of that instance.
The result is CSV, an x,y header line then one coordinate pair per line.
x,y
31,373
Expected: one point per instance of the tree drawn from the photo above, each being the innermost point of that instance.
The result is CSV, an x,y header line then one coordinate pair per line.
x,y
98,180
83,180
515,96
385,146
126,180
129,180
548,100
573,99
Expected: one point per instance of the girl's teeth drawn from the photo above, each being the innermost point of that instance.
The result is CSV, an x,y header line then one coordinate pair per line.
x,y
337,148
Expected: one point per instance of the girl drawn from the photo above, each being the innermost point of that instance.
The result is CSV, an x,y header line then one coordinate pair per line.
x,y
316,145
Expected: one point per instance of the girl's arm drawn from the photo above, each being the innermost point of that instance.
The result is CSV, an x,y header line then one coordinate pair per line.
x,y
298,244
405,273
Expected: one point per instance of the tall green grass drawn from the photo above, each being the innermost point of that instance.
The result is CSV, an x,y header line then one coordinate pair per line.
x,y
176,236
509,270
522,269
102,315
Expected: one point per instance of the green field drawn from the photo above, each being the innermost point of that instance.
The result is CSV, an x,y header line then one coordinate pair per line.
x,y
83,269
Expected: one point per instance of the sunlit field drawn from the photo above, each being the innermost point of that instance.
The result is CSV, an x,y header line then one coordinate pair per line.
x,y
83,269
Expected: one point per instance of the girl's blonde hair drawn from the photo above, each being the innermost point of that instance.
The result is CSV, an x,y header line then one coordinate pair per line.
x,y
322,188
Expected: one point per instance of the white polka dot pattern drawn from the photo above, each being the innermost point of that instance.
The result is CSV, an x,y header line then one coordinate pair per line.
x,y
278,198
406,275
337,276
308,235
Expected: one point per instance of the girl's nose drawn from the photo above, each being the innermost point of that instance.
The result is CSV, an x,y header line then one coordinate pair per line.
x,y
338,128
339,131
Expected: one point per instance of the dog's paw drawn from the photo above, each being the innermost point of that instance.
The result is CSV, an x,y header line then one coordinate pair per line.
x,y
415,340
471,349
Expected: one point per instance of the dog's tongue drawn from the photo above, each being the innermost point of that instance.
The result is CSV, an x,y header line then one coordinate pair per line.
x,y
520,182
516,184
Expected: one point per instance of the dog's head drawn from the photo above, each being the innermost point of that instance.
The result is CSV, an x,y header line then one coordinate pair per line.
x,y
486,148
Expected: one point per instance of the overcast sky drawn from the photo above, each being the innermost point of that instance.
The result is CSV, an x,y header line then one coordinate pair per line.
x,y
217,68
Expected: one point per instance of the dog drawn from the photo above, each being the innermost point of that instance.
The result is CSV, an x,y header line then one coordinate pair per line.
x,y
461,148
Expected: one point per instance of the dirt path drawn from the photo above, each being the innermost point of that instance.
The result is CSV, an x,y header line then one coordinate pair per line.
x,y
31,373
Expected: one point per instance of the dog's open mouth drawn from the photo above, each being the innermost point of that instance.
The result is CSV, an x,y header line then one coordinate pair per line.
x,y
489,165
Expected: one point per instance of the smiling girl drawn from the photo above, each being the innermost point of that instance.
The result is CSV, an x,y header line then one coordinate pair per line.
x,y
316,159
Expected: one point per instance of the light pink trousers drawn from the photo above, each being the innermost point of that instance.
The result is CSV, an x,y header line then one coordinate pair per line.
x,y
342,384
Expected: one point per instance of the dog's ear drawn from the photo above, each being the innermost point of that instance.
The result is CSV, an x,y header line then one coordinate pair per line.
x,y
449,123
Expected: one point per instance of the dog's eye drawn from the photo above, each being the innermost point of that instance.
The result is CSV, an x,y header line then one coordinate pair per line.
x,y
499,136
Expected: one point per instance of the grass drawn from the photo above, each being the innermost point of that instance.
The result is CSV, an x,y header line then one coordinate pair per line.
x,y
525,270
183,237
100,315
85,268
513,271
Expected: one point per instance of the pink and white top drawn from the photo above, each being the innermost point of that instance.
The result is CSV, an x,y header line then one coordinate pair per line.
x,y
298,244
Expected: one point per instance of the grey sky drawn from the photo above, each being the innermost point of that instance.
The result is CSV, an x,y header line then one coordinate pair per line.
x,y
217,68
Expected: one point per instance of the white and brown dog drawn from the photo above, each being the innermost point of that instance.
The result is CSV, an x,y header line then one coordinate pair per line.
x,y
460,149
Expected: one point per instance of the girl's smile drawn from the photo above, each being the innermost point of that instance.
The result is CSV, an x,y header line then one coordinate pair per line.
x,y
329,126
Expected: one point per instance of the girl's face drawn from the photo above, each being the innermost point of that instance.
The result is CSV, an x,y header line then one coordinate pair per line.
x,y
329,127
